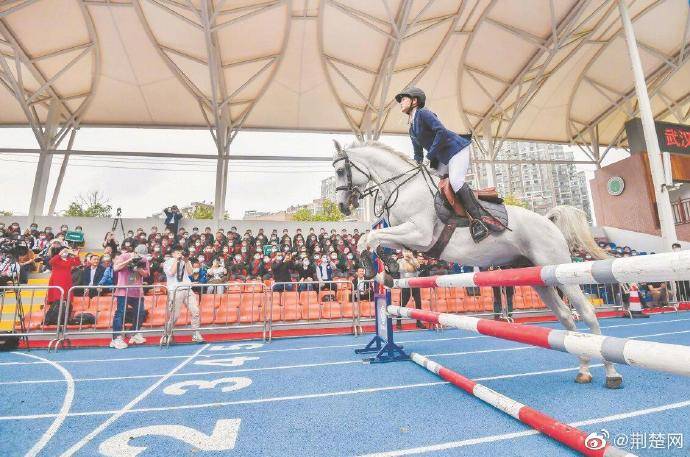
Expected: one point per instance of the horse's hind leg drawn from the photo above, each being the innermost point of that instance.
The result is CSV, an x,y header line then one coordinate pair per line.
x,y
582,305
550,297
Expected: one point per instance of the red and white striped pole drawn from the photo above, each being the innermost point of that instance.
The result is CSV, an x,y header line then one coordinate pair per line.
x,y
669,358
572,437
670,266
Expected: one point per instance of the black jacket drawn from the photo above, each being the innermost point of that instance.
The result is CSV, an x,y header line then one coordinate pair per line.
x,y
85,278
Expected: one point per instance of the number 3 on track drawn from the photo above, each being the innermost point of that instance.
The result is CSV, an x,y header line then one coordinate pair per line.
x,y
231,384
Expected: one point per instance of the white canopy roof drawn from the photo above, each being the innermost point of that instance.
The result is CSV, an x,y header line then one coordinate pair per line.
x,y
544,70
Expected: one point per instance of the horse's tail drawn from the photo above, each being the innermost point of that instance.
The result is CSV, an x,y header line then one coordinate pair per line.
x,y
573,225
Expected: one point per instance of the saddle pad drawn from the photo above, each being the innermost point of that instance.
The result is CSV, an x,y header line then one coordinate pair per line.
x,y
447,215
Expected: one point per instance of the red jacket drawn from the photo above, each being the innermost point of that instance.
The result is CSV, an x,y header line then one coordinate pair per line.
x,y
61,276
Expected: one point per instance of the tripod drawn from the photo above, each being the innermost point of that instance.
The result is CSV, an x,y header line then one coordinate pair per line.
x,y
19,307
118,220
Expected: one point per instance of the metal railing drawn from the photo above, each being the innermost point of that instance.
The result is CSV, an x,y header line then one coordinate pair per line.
x,y
304,303
23,309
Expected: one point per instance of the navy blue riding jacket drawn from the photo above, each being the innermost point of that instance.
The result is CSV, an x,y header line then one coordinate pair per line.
x,y
428,133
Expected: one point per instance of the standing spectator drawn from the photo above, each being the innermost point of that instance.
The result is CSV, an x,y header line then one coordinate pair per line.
x,y
178,270
172,219
281,273
361,288
62,261
306,274
109,241
91,276
131,269
682,287
409,269
324,273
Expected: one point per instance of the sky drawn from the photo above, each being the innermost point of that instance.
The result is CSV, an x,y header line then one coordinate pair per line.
x,y
143,186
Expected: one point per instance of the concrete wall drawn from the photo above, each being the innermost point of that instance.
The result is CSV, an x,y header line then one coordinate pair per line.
x,y
96,228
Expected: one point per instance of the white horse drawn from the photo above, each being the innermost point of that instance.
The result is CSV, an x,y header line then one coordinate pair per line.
x,y
415,225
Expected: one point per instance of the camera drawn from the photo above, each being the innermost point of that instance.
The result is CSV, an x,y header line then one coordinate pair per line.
x,y
138,262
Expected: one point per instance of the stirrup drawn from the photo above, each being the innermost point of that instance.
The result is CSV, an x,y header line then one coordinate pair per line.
x,y
478,230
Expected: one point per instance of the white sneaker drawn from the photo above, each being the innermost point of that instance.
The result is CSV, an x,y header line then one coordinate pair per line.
x,y
197,338
118,343
138,338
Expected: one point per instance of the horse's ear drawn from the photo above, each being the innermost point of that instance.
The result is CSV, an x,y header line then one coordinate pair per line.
x,y
338,148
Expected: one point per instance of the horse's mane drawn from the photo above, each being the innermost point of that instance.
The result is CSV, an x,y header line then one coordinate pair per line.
x,y
385,147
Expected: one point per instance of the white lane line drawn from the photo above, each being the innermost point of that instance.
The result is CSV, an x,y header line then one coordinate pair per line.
x,y
86,439
310,348
296,397
307,365
64,410
508,436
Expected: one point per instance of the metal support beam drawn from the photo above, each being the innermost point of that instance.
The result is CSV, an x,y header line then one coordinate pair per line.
x,y
663,202
61,175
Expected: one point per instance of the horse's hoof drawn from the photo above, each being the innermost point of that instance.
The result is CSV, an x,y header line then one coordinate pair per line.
x,y
614,382
388,280
583,378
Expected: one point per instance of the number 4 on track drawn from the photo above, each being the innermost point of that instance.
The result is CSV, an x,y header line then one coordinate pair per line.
x,y
222,438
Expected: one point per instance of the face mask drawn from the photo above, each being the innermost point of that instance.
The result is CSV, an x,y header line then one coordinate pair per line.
x,y
279,258
243,249
257,257
225,250
316,257
201,258
266,260
305,262
64,255
195,270
157,249
324,259
349,256
334,257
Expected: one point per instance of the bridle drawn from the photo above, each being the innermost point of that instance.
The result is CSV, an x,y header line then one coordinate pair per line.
x,y
356,194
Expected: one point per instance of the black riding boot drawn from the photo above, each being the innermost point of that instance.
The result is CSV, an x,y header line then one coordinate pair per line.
x,y
478,228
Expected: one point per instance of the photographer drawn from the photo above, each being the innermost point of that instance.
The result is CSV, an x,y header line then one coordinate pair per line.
x,y
131,269
178,269
172,219
62,261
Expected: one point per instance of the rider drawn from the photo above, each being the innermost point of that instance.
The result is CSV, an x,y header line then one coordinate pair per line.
x,y
448,152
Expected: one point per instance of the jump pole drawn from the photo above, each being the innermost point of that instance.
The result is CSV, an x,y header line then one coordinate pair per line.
x,y
571,437
669,358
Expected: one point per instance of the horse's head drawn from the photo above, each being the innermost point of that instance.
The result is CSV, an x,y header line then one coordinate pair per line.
x,y
350,178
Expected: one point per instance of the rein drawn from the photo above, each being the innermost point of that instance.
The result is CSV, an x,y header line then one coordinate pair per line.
x,y
376,187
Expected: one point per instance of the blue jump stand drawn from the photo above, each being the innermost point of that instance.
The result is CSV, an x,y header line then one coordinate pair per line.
x,y
383,344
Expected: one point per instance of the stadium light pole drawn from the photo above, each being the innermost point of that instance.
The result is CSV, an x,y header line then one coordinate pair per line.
x,y
663,202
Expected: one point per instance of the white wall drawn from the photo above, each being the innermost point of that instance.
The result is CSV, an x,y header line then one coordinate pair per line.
x,y
96,228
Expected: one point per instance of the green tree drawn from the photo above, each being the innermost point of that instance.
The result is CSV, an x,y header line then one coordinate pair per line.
x,y
329,212
6,213
202,211
94,204
512,200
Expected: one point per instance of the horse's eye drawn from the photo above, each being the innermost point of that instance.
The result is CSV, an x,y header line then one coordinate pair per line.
x,y
340,172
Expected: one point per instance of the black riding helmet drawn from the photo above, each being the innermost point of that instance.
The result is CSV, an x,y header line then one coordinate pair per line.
x,y
413,92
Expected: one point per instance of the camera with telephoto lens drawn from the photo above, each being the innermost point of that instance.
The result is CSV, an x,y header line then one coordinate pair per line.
x,y
138,262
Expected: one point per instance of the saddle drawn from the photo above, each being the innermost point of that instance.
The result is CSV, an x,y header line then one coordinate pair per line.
x,y
488,194
451,212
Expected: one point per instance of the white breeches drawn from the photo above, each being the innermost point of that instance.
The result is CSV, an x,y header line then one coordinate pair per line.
x,y
457,168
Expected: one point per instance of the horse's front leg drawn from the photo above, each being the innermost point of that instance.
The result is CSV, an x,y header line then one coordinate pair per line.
x,y
406,235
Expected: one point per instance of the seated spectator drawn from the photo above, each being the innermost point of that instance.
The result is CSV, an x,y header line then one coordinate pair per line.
x,y
91,277
107,277
656,294
198,276
26,259
362,289
217,274
306,275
